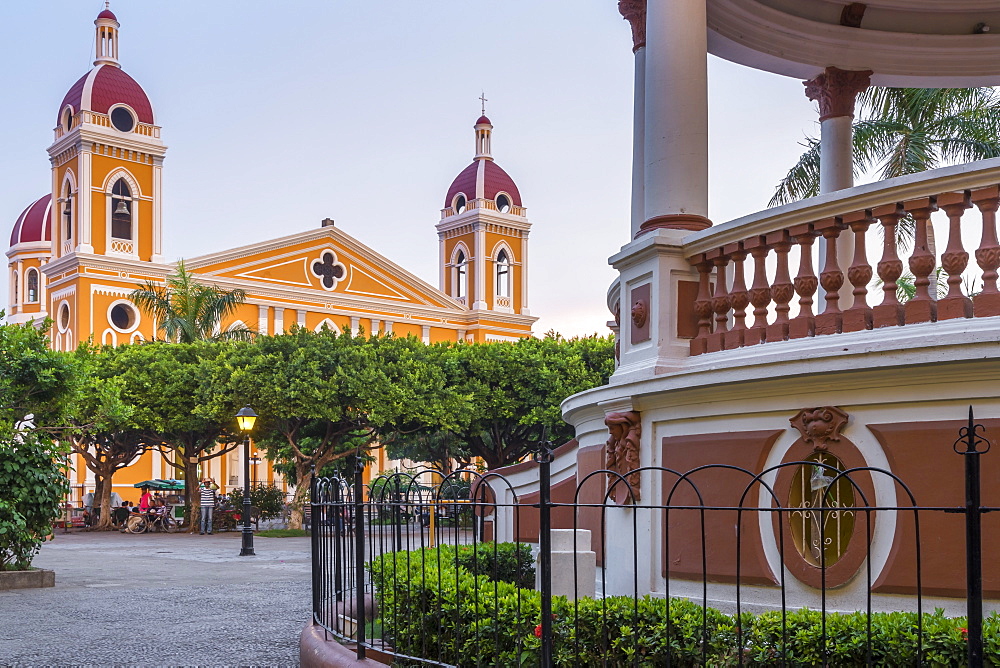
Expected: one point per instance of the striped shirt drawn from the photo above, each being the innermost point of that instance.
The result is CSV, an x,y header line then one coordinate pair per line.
x,y
207,496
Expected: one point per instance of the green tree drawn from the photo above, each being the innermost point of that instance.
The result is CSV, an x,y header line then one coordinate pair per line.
x,y
907,130
186,311
99,427
515,390
174,395
38,381
324,396
438,448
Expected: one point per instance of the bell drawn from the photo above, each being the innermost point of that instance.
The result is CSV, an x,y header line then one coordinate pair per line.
x,y
122,208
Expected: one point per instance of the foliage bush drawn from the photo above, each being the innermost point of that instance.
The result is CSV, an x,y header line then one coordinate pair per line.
x,y
269,499
33,489
443,603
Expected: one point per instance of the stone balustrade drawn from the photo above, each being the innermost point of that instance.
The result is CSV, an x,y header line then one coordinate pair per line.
x,y
747,264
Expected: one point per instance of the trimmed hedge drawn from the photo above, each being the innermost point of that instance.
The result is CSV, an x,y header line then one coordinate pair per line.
x,y
433,605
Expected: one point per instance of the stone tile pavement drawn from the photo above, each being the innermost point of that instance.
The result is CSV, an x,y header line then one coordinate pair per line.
x,y
160,600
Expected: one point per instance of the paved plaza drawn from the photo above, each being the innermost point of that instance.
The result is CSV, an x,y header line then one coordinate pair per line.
x,y
160,600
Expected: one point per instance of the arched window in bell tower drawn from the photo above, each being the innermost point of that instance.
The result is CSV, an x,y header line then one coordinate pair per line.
x,y
31,286
121,210
67,215
503,274
461,276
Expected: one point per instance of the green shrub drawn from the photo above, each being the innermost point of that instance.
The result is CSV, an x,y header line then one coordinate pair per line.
x,y
269,499
445,604
33,490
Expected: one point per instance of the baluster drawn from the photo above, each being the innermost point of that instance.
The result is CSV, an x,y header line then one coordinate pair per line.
x,y
702,305
760,293
782,289
739,296
830,321
806,283
859,316
922,308
987,302
954,260
890,312
720,302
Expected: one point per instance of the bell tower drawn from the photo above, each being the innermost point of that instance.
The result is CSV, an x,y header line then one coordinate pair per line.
x,y
483,235
106,161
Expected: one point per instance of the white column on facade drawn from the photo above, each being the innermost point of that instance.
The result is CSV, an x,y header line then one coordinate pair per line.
x,y
279,320
425,333
443,265
376,326
524,274
355,325
157,465
388,326
84,202
480,254
836,91
19,288
461,335
634,11
262,320
675,116
43,285
301,320
157,211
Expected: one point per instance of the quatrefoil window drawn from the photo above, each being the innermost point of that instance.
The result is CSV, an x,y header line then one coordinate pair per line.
x,y
328,270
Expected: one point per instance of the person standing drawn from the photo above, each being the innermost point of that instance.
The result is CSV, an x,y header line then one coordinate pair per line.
x,y
207,493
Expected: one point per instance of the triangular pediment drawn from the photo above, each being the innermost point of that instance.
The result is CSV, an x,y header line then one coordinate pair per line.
x,y
325,261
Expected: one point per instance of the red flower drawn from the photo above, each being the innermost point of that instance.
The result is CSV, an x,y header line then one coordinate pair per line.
x,y
964,631
538,631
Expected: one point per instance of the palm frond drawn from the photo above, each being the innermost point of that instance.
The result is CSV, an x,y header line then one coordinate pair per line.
x,y
802,180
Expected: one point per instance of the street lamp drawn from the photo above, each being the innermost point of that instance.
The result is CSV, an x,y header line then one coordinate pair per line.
x,y
246,418
256,460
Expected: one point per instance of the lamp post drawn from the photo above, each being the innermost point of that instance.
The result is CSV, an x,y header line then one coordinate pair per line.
x,y
256,460
246,418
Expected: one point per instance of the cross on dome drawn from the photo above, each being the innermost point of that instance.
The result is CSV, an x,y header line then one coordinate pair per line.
x,y
484,100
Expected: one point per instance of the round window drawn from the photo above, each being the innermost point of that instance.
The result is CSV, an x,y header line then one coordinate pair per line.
x,y
122,119
64,317
820,529
122,316
503,203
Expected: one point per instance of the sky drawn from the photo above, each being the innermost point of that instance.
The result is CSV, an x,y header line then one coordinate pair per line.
x,y
278,115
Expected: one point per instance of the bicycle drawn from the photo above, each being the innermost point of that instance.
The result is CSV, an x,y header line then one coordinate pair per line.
x,y
141,523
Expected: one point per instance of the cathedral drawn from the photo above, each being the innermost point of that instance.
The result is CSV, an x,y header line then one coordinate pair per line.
x,y
77,252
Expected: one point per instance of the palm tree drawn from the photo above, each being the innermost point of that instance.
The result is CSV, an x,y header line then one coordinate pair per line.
x,y
904,131
187,311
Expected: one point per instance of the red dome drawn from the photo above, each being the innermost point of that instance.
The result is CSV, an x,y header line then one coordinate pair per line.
x,y
107,14
483,179
34,223
483,119
105,86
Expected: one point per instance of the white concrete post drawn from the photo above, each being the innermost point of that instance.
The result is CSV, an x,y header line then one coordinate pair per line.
x,y
675,152
564,555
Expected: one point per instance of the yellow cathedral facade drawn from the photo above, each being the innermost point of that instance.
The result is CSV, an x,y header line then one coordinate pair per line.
x,y
78,252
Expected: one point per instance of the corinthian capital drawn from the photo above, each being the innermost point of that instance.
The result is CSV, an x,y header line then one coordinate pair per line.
x,y
634,12
836,90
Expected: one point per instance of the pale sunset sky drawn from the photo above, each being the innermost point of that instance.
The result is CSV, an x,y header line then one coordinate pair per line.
x,y
280,114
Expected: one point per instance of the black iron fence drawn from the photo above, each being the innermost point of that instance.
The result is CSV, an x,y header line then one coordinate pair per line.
x,y
411,571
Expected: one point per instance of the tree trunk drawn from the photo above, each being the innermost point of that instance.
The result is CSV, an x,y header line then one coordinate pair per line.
x,y
191,492
103,500
303,475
